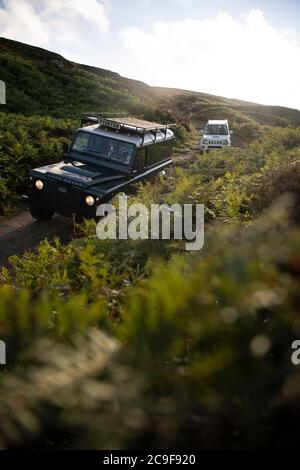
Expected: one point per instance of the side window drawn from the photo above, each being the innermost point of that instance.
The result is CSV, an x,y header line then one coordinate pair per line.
x,y
158,153
139,163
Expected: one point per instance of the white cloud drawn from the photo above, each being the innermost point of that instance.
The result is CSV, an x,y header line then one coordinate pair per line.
x,y
145,3
18,18
54,22
246,58
184,3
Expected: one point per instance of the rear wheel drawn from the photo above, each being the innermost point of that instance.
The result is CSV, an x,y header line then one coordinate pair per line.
x,y
39,213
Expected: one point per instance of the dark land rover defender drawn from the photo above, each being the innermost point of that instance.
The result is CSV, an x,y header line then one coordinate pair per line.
x,y
107,155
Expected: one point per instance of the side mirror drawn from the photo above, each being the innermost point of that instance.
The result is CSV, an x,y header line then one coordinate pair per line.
x,y
230,132
66,148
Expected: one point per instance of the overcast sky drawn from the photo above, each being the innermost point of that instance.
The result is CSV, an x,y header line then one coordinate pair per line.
x,y
243,49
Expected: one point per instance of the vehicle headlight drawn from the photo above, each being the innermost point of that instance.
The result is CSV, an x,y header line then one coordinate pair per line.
x,y
205,141
39,184
225,142
90,200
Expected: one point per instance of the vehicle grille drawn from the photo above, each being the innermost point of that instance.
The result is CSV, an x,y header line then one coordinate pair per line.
x,y
63,195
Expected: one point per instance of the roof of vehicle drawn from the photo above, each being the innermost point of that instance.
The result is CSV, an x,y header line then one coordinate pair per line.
x,y
138,139
218,121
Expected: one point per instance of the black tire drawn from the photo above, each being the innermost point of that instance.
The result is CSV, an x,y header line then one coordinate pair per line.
x,y
37,212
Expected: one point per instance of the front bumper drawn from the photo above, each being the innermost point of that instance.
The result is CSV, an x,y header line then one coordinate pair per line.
x,y
66,211
66,201
211,147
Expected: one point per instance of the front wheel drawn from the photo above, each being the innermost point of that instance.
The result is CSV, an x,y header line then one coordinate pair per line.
x,y
37,212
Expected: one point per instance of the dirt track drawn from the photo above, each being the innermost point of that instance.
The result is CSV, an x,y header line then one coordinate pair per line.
x,y
21,232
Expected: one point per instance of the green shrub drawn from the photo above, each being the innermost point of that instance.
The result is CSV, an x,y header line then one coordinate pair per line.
x,y
213,333
25,143
181,134
23,319
205,360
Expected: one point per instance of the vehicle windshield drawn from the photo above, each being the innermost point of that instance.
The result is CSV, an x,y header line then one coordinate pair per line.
x,y
216,129
106,148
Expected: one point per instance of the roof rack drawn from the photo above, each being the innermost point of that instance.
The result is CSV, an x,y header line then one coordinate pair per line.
x,y
93,118
122,122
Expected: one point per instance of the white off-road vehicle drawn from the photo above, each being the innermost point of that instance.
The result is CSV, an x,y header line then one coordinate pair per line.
x,y
216,135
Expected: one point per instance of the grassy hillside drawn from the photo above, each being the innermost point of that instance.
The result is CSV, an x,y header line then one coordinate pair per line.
x,y
246,119
42,82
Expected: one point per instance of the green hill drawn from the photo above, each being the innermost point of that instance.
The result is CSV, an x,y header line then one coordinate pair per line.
x,y
43,82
